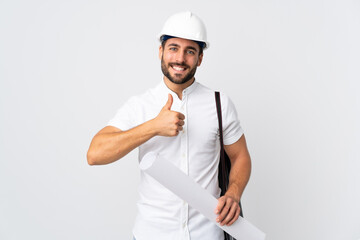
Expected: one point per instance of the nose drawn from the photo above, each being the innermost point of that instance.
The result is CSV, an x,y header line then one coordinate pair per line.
x,y
180,57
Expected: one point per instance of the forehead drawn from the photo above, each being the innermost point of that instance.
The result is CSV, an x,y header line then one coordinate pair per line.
x,y
184,43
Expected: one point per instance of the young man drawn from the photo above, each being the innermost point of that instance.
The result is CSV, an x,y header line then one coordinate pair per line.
x,y
177,119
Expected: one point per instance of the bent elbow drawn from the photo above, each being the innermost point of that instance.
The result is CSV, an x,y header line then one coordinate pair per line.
x,y
91,159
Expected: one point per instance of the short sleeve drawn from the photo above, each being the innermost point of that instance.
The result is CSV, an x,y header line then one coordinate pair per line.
x,y
232,130
124,118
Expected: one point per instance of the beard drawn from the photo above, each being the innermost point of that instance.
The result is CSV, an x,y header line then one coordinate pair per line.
x,y
177,78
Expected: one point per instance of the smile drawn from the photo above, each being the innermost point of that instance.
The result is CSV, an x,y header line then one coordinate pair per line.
x,y
178,68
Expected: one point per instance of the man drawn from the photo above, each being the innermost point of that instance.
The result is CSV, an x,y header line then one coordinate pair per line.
x,y
177,119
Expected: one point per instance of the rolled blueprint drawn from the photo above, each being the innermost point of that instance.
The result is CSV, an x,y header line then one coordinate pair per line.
x,y
187,189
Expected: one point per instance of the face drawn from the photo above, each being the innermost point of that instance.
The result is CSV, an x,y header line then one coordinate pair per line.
x,y
179,59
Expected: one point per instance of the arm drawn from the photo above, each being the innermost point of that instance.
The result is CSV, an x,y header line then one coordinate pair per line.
x,y
228,208
111,144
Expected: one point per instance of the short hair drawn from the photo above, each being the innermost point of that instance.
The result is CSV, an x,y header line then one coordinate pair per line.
x,y
164,38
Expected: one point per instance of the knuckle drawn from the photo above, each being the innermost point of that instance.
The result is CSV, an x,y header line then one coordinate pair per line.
x,y
224,213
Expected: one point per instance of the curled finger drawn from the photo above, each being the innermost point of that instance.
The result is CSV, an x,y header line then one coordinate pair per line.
x,y
231,214
237,214
224,212
220,205
181,123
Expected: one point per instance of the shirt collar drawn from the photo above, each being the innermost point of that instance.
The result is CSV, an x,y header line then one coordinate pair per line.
x,y
187,91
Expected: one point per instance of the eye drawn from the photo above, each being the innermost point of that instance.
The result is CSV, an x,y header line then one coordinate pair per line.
x,y
172,49
191,52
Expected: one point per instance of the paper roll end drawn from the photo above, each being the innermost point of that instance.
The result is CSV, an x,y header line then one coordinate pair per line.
x,y
148,160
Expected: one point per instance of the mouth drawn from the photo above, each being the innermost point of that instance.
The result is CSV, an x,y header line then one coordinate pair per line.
x,y
178,68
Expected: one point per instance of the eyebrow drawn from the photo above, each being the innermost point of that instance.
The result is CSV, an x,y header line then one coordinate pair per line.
x,y
177,45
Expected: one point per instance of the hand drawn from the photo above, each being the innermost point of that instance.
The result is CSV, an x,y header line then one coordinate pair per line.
x,y
169,123
228,210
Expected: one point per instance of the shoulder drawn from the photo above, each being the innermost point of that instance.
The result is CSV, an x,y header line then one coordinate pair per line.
x,y
225,99
208,94
206,90
200,88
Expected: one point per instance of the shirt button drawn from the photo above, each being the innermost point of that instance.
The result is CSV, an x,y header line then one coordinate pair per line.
x,y
184,224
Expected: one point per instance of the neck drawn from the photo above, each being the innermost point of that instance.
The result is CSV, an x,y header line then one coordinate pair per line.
x,y
178,88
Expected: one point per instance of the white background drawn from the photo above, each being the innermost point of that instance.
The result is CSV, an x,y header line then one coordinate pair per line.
x,y
291,68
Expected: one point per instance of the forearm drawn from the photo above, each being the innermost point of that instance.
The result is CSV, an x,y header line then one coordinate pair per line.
x,y
240,168
108,147
228,208
239,177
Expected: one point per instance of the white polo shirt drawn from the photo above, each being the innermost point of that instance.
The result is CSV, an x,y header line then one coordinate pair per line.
x,y
161,214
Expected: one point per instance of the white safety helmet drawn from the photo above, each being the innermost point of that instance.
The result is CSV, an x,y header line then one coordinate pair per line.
x,y
185,25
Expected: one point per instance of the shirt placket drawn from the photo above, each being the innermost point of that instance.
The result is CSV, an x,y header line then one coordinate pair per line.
x,y
184,165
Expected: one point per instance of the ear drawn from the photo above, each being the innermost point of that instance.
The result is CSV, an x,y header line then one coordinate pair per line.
x,y
200,59
160,52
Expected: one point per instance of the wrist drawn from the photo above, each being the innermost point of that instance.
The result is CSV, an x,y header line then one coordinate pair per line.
x,y
233,192
152,127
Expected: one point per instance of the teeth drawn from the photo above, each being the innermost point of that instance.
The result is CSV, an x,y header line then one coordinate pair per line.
x,y
178,68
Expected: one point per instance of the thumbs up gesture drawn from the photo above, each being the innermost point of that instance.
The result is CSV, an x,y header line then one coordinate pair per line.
x,y
169,123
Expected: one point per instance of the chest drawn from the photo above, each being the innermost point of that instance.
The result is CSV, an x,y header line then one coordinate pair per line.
x,y
201,122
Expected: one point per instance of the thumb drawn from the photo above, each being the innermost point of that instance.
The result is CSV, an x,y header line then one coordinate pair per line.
x,y
169,102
